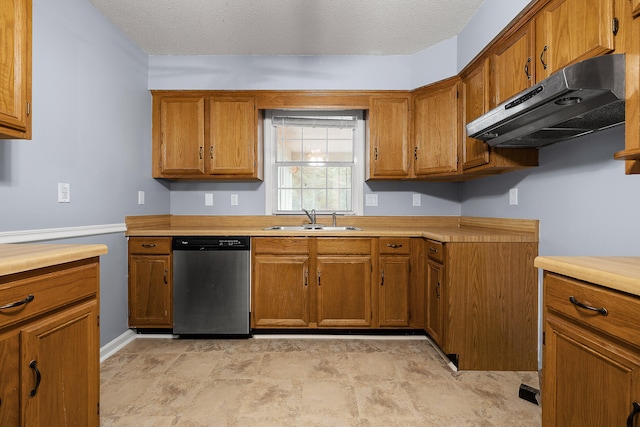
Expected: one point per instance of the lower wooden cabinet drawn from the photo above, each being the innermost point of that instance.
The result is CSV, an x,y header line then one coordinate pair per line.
x,y
435,301
150,282
394,282
591,361
49,346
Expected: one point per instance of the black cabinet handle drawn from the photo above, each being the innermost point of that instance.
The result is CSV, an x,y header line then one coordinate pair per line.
x,y
433,250
382,279
544,64
526,69
34,366
148,245
636,409
27,300
166,277
319,283
601,310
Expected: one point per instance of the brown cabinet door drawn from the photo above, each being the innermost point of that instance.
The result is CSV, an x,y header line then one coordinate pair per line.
x,y
179,147
569,31
344,291
435,302
393,291
389,138
513,68
475,102
60,369
15,69
232,140
280,293
150,291
10,380
588,379
436,129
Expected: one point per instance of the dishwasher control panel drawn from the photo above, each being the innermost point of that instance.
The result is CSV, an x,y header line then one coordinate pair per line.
x,y
211,243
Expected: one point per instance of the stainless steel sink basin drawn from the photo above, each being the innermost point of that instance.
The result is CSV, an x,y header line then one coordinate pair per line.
x,y
310,227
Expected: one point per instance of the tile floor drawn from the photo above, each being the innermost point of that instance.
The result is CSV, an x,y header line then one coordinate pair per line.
x,y
304,382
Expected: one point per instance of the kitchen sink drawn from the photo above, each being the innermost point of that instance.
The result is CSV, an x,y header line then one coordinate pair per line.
x,y
312,227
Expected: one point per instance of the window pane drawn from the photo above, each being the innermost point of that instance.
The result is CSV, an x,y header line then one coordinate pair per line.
x,y
289,177
289,200
340,151
338,177
315,151
289,150
335,133
314,199
338,200
314,133
314,177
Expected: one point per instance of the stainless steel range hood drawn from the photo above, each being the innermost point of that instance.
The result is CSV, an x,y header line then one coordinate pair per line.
x,y
579,99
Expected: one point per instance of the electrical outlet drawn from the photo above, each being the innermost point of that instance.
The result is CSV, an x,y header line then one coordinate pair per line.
x,y
513,197
371,200
417,200
64,192
208,199
141,197
234,200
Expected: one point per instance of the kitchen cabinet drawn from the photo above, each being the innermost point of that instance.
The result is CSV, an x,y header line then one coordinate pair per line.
x,y
489,306
436,128
434,294
343,282
49,342
388,136
512,68
591,359
569,31
280,290
150,282
394,281
206,137
417,285
478,157
15,69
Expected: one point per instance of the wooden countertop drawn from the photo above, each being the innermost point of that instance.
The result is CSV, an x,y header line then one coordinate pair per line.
x,y
444,229
616,272
16,258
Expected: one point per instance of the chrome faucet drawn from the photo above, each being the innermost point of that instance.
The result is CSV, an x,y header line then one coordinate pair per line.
x,y
311,216
333,219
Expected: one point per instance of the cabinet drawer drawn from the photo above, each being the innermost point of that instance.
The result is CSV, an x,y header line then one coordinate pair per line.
x,y
400,245
435,250
345,246
46,291
281,245
149,245
623,311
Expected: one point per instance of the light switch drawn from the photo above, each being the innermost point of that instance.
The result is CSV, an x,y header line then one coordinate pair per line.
x,y
208,199
417,200
141,197
513,197
64,192
371,200
234,200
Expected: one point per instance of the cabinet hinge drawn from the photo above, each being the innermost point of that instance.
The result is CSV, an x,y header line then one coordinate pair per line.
x,y
98,317
98,408
543,337
457,94
28,109
615,26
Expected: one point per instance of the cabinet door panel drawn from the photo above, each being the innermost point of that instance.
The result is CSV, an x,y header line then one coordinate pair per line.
x,y
588,380
10,380
15,69
513,67
568,31
232,140
436,130
181,136
393,304
281,291
65,350
344,291
389,138
150,291
475,90
435,301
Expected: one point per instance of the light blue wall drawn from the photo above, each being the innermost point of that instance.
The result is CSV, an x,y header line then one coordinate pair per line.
x,y
92,129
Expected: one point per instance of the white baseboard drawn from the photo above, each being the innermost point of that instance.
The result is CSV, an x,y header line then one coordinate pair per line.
x,y
113,346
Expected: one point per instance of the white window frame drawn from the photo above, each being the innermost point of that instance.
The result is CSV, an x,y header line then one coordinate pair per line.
x,y
270,172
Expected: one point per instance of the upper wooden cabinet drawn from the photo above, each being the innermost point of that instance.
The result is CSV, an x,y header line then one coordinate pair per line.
x,y
206,137
569,31
513,69
436,128
15,69
389,137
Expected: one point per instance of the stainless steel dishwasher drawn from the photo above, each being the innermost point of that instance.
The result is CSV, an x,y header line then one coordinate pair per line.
x,y
211,285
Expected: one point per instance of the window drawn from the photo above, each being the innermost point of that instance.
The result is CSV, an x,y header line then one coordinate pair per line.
x,y
316,161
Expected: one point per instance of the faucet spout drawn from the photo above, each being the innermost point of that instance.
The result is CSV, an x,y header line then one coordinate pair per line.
x,y
311,216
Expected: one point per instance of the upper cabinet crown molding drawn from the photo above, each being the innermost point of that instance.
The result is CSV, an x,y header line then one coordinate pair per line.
x,y
15,68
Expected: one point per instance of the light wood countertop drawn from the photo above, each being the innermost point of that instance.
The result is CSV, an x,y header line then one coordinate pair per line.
x,y
16,258
443,229
616,272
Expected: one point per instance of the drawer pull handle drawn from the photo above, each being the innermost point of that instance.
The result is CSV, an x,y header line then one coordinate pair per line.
x,y
433,250
574,301
148,245
636,409
27,300
34,366
393,245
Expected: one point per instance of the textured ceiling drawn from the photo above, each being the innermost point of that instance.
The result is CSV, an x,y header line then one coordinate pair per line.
x,y
287,27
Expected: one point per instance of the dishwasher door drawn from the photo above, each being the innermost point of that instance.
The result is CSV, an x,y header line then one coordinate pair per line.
x,y
211,291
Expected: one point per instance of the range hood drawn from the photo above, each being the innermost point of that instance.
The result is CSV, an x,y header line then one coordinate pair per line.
x,y
580,99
